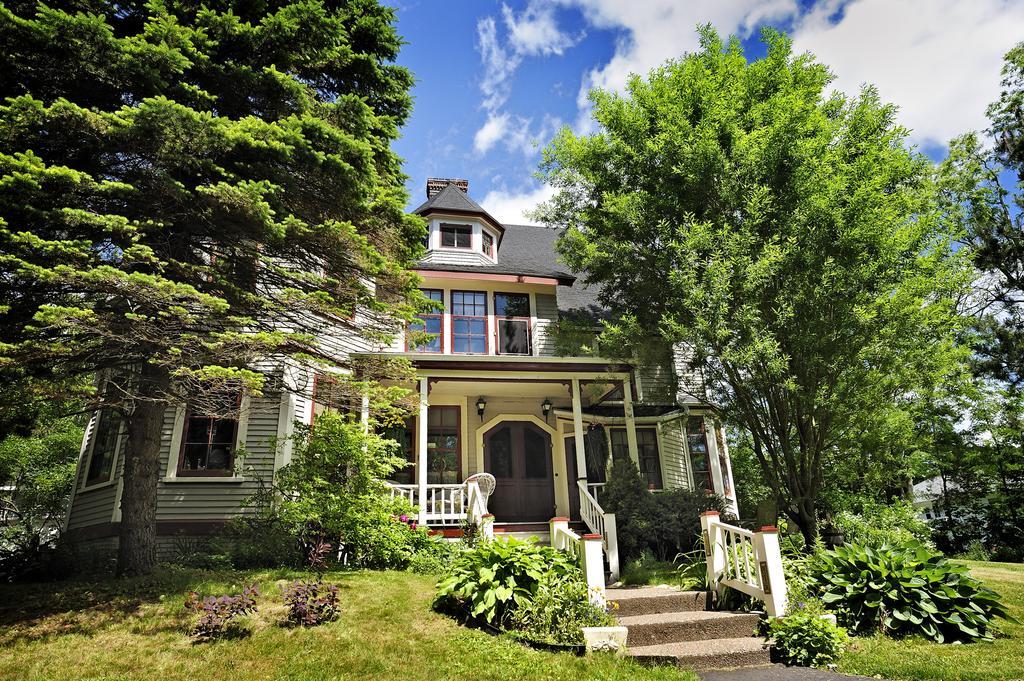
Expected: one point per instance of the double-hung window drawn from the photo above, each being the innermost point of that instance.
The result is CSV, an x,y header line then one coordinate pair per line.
x,y
208,446
700,458
647,453
404,435
456,236
488,244
443,446
512,318
104,447
430,323
469,322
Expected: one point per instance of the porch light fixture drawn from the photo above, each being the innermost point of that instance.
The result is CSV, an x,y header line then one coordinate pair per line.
x,y
481,404
545,407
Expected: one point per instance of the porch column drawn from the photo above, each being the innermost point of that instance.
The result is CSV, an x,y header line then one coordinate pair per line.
x,y
421,452
714,462
627,406
577,427
364,411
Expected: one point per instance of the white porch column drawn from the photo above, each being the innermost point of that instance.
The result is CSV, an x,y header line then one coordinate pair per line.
x,y
627,405
421,451
577,427
364,412
714,461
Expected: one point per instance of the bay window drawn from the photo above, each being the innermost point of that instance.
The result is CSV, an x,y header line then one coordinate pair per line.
x,y
208,445
700,461
512,319
469,322
430,323
456,236
488,244
104,447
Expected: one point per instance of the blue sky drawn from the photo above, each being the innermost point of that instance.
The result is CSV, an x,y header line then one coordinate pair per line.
x,y
495,80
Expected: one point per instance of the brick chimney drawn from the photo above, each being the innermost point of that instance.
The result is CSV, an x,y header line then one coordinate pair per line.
x,y
436,184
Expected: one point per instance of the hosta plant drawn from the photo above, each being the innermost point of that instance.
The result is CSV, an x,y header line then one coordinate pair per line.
x,y
491,580
906,590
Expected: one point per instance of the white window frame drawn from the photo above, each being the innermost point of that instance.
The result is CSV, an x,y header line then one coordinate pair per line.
x,y
83,486
174,452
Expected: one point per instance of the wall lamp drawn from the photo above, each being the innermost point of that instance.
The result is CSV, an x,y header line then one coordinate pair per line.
x,y
545,407
481,404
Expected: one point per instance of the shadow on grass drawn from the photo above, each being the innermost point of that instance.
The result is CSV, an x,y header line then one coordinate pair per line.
x,y
45,610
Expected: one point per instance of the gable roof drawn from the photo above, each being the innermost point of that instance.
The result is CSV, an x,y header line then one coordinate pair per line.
x,y
453,200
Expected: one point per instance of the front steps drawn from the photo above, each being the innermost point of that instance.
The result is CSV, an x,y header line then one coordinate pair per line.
x,y
669,626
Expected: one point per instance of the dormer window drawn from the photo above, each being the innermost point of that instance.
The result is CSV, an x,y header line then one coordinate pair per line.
x,y
488,244
456,236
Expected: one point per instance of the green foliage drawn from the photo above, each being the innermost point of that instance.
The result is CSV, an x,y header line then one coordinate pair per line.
x,y
39,469
893,523
788,235
494,579
906,590
332,489
805,638
558,611
975,551
693,570
665,523
216,615
187,188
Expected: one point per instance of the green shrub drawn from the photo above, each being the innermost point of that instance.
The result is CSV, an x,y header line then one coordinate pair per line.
x,y
665,523
558,611
491,580
894,523
976,550
805,638
437,557
198,552
906,590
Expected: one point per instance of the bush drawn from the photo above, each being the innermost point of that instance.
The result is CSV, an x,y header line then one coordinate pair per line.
x,y
558,611
664,523
438,557
490,581
894,524
906,590
805,638
200,553
217,613
311,602
976,550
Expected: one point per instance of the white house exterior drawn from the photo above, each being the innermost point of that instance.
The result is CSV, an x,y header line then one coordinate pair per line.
x,y
497,394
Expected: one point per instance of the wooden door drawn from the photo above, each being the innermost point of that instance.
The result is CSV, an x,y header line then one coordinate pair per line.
x,y
518,455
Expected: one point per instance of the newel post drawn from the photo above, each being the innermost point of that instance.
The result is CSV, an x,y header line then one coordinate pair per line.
x,y
593,567
773,577
612,533
711,531
556,526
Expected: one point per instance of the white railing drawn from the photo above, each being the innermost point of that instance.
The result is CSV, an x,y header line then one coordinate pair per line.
x,y
587,551
600,523
747,561
443,504
594,488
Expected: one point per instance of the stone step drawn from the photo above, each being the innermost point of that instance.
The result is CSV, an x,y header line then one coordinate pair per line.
x,y
721,653
651,600
673,627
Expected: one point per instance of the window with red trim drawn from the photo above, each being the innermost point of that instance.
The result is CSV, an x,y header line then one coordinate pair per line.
x,y
488,243
469,322
512,323
443,445
430,323
456,236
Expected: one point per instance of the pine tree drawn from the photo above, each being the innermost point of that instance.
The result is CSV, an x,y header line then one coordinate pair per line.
x,y
186,188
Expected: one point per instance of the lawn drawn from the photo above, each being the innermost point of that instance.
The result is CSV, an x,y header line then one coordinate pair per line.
x,y
917,659
135,630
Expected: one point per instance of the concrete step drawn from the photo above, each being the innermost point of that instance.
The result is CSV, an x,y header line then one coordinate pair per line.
x,y
721,653
674,627
651,600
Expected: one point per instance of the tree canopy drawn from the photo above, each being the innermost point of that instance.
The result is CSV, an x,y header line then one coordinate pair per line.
x,y
186,188
787,237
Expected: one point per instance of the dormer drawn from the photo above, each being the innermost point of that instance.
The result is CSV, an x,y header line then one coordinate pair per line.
x,y
460,232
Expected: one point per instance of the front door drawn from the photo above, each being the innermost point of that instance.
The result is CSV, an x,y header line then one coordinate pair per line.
x,y
518,455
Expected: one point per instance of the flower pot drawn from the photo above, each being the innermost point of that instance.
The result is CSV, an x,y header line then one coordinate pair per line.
x,y
605,639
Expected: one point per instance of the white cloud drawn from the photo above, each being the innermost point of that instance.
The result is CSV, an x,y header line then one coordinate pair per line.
x,y
939,60
534,32
511,206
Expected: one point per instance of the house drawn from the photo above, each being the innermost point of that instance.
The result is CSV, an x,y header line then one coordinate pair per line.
x,y
504,387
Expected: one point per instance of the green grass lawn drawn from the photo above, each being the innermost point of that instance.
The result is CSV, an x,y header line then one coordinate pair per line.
x,y
135,629
918,659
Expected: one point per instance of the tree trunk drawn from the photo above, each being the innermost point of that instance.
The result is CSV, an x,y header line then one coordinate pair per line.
x,y
137,546
807,519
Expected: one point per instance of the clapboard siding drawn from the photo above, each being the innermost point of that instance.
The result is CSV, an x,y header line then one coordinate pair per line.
x,y
215,500
656,375
691,387
546,310
92,506
674,463
456,257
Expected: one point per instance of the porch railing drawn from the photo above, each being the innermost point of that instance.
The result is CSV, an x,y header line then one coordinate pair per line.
x,y
443,504
587,550
600,523
747,561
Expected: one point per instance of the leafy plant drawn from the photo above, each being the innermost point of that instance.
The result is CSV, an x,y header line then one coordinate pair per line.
x,y
906,590
891,523
807,639
693,570
201,553
216,613
491,580
558,611
311,602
